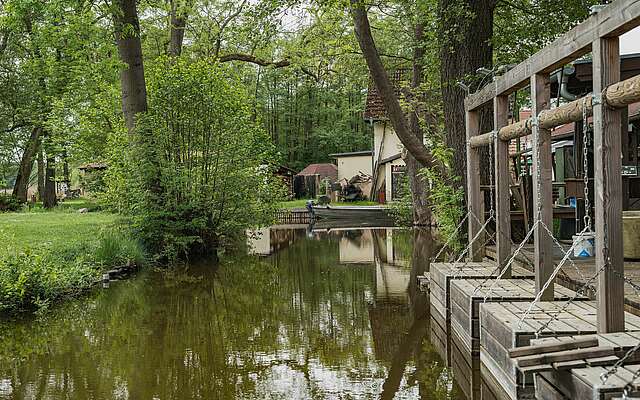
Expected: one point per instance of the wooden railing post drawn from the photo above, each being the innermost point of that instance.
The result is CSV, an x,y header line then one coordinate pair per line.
x,y
542,186
608,189
502,185
474,195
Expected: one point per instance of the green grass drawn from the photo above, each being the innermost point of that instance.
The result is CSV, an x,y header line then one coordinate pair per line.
x,y
46,256
47,229
303,202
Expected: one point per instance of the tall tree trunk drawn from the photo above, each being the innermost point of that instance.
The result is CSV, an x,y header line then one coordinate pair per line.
x,y
178,20
40,172
462,52
418,185
133,86
21,185
65,172
49,199
386,90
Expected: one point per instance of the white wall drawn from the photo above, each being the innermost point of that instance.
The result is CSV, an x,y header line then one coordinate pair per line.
x,y
348,167
392,145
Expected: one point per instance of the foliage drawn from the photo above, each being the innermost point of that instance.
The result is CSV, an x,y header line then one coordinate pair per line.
x,y
34,273
200,170
9,203
402,208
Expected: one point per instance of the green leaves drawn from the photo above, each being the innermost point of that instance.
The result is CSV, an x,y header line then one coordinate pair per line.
x,y
200,146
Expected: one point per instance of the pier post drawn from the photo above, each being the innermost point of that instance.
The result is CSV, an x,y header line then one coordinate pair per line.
x,y
502,184
474,195
608,188
542,186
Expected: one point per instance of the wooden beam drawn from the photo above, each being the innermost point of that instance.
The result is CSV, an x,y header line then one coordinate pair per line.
x,y
474,194
502,185
542,187
608,190
617,95
617,18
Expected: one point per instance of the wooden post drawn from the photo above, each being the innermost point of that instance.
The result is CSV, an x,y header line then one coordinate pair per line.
x,y
542,159
626,159
608,189
474,195
502,185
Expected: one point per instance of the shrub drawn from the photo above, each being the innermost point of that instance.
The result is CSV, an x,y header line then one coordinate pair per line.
x,y
9,203
198,171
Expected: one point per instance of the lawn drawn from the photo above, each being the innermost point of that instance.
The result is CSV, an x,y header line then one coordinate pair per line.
x,y
50,229
301,203
48,255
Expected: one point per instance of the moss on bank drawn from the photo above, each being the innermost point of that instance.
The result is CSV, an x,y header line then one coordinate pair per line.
x,y
45,256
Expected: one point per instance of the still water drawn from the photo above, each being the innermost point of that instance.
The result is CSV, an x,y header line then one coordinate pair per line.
x,y
305,315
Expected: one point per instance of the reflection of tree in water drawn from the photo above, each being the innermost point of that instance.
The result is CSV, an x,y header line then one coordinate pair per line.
x,y
411,340
296,322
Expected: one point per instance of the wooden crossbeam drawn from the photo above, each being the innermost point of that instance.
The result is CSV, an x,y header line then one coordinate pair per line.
x,y
617,95
617,18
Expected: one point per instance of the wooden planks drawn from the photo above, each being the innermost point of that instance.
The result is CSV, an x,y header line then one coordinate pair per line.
x,y
556,358
467,296
542,186
583,381
501,331
552,346
608,187
619,17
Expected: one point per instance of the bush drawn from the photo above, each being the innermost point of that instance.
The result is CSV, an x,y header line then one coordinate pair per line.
x,y
198,172
9,203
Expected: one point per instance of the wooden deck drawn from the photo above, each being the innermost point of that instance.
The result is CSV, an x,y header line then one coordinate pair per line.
x,y
441,275
573,278
466,298
585,382
501,330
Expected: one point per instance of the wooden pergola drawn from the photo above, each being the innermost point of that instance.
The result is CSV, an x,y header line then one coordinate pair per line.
x,y
599,35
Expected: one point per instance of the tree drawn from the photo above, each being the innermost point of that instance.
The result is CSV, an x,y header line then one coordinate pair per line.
x,y
466,31
132,81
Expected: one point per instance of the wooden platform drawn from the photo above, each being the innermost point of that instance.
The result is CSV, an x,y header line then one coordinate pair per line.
x,y
465,324
468,294
500,331
574,278
585,382
441,275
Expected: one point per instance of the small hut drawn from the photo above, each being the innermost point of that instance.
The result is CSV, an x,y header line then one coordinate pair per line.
x,y
306,183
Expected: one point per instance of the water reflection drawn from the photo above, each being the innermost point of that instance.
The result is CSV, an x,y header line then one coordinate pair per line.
x,y
330,315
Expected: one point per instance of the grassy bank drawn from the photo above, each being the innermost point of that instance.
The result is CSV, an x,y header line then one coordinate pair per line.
x,y
288,205
45,256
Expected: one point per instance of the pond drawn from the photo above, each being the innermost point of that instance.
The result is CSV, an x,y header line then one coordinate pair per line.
x,y
309,315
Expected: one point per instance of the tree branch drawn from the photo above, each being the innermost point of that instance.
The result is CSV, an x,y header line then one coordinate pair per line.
x,y
255,60
386,90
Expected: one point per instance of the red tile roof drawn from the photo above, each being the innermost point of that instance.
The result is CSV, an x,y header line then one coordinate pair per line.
x,y
374,109
324,170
